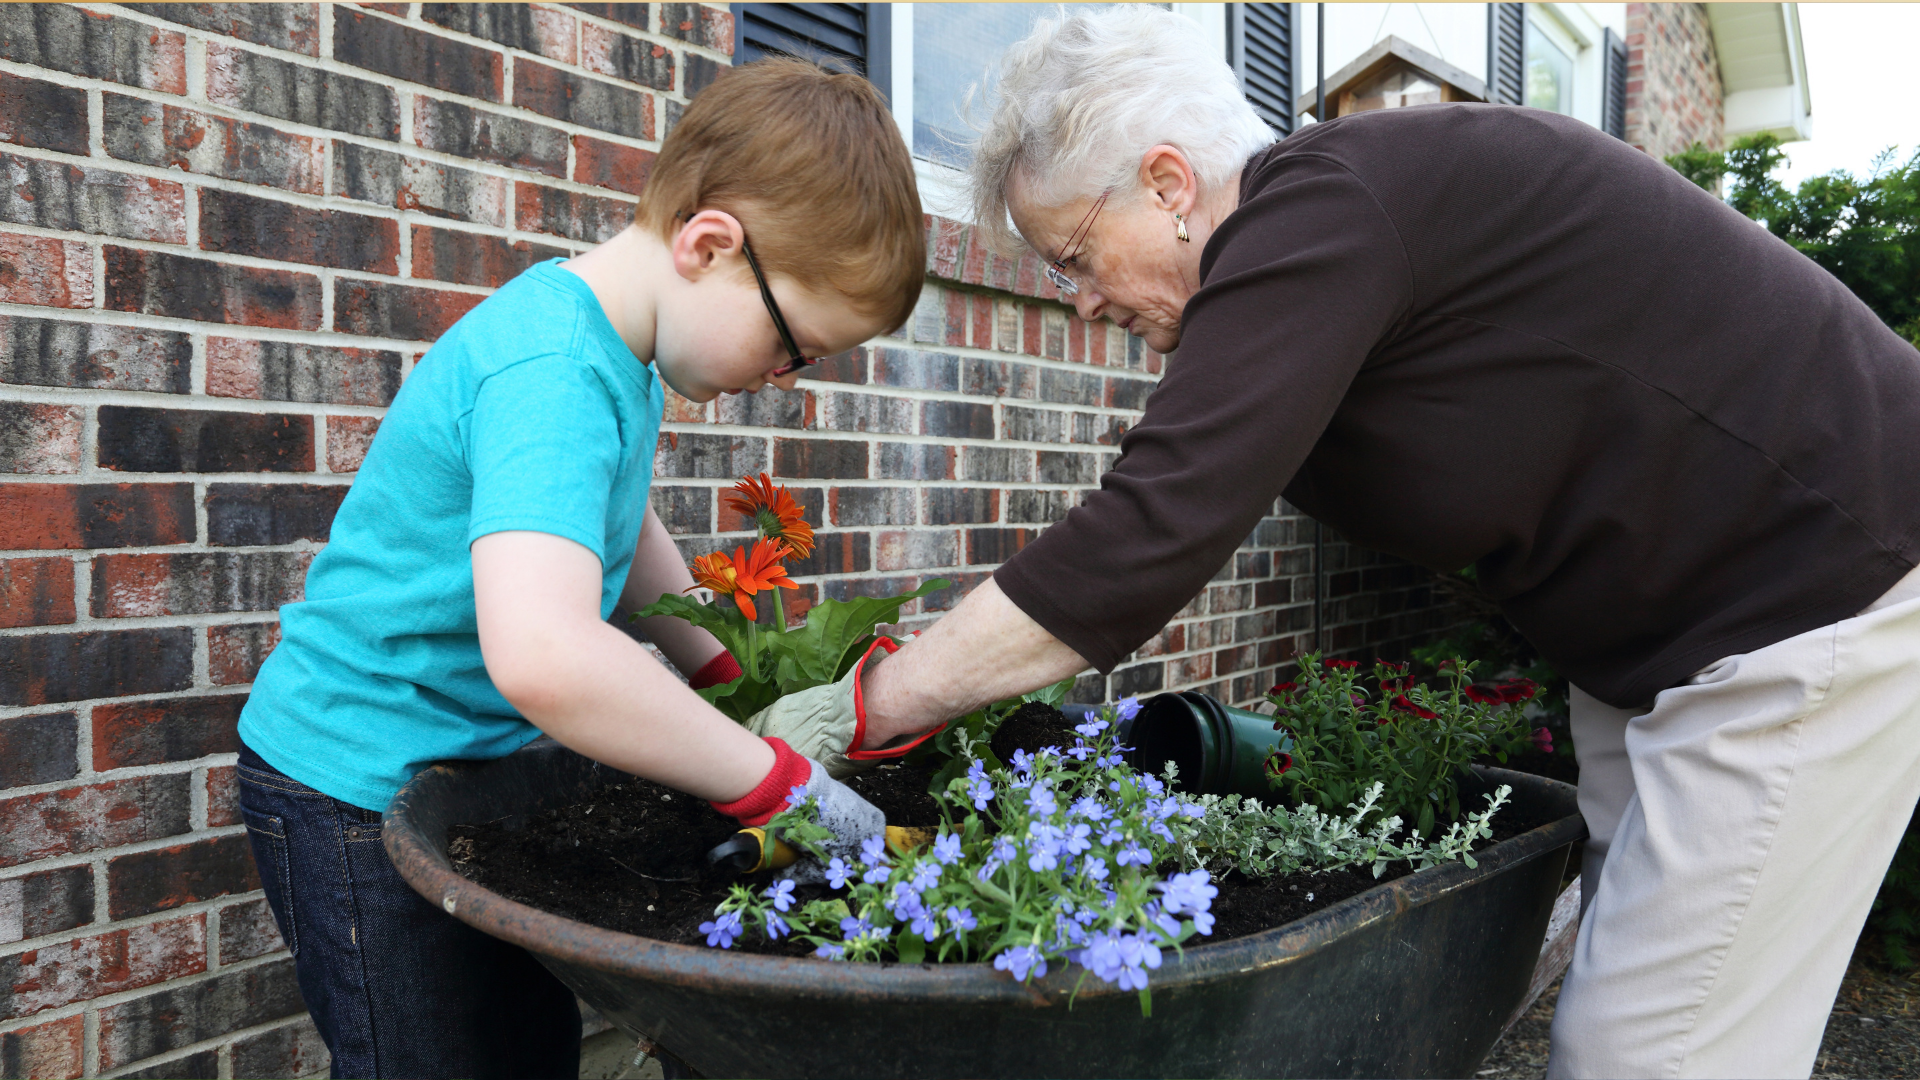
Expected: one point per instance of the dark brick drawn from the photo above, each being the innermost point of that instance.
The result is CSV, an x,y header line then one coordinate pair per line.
x,y
381,309
634,15
39,749
37,438
572,214
916,461
91,967
1129,393
996,545
247,930
833,459
916,549
94,356
165,878
517,26
872,506
863,412
166,136
622,56
223,796
293,1050
769,407
1034,425
1097,428
95,515
944,599
472,258
182,1015
46,271
708,457
1138,679
700,73
1038,507
176,729
379,176
35,113
996,378
251,82
54,195
409,54
684,510
293,27
196,1065
134,439
35,592
174,286
997,464
453,128
848,588
235,653
193,583
583,100
611,165
246,515
269,229
670,111
1066,467
77,820
285,371
699,24
1072,387
47,903
835,553
53,1049
846,367
957,419
961,506
915,369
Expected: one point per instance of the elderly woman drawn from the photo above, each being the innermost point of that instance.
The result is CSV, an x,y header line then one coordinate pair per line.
x,y
1684,459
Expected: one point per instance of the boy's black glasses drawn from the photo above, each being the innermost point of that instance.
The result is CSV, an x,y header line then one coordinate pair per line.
x,y
795,361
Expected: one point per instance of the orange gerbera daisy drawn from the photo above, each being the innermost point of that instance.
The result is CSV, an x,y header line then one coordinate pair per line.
x,y
744,574
773,511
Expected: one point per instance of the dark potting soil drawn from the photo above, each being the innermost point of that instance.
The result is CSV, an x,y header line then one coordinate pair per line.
x,y
633,859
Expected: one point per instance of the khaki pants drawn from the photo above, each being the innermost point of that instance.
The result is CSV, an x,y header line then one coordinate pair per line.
x,y
1740,830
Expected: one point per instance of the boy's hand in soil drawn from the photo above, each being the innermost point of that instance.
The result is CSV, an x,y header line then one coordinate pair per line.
x,y
829,723
852,819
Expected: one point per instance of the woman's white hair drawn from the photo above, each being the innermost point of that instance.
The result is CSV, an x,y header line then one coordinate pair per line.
x,y
1087,93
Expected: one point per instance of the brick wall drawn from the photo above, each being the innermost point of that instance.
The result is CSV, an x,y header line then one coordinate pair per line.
x,y
1674,95
227,233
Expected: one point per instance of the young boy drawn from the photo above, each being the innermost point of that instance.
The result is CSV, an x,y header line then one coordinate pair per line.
x,y
460,608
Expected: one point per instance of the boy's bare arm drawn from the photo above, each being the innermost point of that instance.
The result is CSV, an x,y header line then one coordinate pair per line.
x,y
588,685
658,568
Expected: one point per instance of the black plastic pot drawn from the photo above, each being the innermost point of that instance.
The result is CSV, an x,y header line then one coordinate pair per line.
x,y
1412,978
1220,749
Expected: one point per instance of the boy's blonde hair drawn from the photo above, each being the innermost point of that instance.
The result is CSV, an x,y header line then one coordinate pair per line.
x,y
813,165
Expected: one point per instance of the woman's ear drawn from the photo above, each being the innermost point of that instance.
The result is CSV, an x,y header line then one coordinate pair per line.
x,y
1169,179
704,240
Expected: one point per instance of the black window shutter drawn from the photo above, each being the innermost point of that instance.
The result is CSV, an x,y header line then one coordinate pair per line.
x,y
832,35
1260,48
1507,54
1614,106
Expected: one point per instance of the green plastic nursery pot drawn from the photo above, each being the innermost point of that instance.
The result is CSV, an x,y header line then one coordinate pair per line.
x,y
1415,977
1220,750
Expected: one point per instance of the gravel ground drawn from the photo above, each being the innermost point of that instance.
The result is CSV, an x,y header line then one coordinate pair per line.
x,y
1873,1034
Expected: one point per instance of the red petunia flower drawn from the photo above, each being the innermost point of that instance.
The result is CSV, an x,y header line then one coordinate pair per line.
x,y
1283,688
1514,691
1278,763
1401,703
1346,665
1484,697
1543,740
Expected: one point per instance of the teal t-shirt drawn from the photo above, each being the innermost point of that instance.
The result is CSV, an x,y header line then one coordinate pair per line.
x,y
529,413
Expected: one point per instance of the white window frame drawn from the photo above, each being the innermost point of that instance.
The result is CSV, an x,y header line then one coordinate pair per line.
x,y
1575,31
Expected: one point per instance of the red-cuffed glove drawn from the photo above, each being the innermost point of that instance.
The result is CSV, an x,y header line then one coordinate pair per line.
x,y
719,671
758,806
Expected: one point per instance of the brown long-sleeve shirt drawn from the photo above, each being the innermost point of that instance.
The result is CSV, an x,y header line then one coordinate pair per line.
x,y
1490,336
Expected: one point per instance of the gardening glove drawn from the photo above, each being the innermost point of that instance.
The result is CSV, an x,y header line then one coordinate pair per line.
x,y
719,671
828,723
851,818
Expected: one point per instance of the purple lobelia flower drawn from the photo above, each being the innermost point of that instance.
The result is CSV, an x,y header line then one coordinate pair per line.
x,y
1020,960
946,849
722,930
961,919
781,893
1127,708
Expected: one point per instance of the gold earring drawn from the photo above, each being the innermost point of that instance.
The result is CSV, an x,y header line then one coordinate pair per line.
x,y
1180,229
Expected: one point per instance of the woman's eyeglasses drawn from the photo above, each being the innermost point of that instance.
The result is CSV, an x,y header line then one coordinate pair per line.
x,y
1057,269
795,360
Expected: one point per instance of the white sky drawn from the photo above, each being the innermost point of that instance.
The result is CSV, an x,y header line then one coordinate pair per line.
x,y
1860,66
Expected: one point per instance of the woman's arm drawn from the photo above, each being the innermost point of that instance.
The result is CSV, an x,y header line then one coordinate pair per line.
x,y
658,568
588,685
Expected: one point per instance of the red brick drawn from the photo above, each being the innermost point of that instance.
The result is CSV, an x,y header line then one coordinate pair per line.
x,y
176,1016
247,930
135,439
982,328
175,286
973,270
1030,330
56,195
947,250
625,57
49,1051
1097,342
165,878
36,592
385,310
835,553
569,213
283,371
42,114
634,15
473,258
995,546
1028,274
174,729
82,819
41,669
409,54
611,165
95,515
348,438
293,27
37,438
167,136
581,99
87,968
46,271
269,229
953,324
235,653
699,24
192,583
223,796
95,45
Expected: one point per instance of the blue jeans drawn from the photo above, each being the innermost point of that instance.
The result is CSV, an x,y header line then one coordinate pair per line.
x,y
397,987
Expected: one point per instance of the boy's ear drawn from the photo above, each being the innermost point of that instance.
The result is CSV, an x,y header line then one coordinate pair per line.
x,y
706,239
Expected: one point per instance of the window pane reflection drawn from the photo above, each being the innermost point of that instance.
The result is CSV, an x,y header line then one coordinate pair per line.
x,y
1549,74
953,47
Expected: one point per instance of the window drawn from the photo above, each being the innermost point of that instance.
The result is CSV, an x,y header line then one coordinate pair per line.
x,y
1549,67
954,45
837,35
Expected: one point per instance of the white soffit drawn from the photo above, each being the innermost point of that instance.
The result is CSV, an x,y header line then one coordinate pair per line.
x,y
1763,69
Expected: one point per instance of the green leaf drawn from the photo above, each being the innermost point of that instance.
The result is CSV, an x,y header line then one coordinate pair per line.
x,y
725,623
1051,695
819,652
913,949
